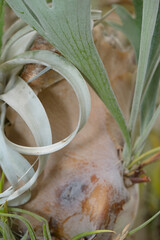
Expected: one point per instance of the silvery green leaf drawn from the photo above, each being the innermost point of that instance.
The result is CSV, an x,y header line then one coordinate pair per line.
x,y
152,78
5,161
31,110
150,10
67,26
18,43
140,141
20,165
72,75
131,26
149,100
15,27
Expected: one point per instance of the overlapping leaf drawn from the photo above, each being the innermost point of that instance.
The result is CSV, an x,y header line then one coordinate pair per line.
x,y
31,110
150,10
67,25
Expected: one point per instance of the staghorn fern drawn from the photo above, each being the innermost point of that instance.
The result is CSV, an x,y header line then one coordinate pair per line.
x,y
67,25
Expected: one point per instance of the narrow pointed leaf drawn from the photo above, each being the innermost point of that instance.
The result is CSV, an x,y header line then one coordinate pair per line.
x,y
24,220
140,141
152,78
149,100
150,10
131,26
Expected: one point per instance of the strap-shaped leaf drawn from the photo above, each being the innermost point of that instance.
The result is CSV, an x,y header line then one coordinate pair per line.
x,y
67,26
149,100
18,43
31,110
131,27
141,140
15,27
152,78
5,161
150,10
32,113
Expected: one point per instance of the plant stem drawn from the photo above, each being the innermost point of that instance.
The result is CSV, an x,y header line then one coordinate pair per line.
x,y
2,182
144,155
104,16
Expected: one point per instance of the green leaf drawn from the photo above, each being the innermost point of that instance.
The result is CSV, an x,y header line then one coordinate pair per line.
x,y
149,100
152,78
2,182
25,237
39,218
144,224
150,10
67,26
82,235
141,140
131,27
6,231
24,220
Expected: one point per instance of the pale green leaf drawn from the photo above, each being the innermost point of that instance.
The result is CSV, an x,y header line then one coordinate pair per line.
x,y
5,161
131,26
15,27
6,231
150,10
31,111
72,75
82,235
67,26
141,140
152,78
144,224
18,43
149,100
